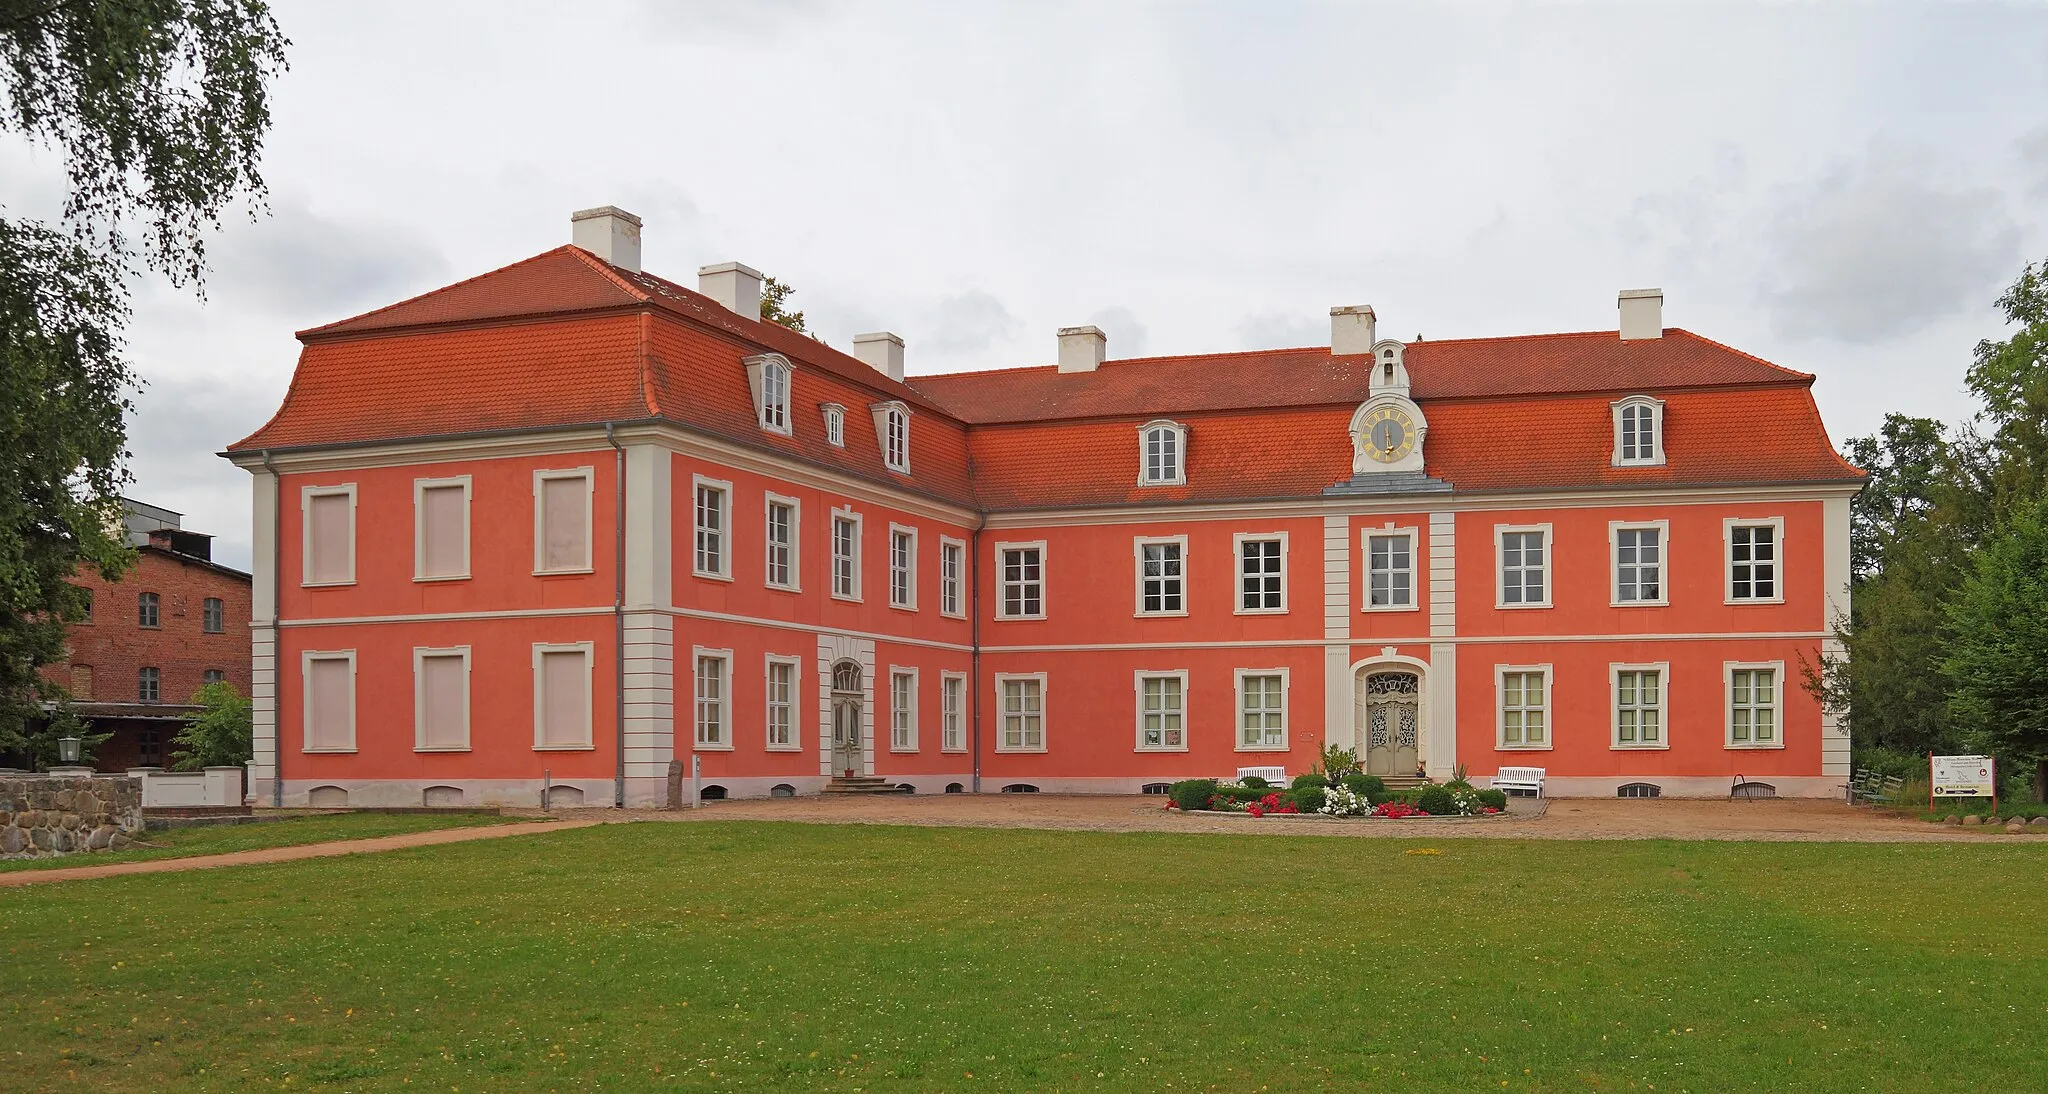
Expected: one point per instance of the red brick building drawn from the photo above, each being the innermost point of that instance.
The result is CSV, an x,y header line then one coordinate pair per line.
x,y
174,621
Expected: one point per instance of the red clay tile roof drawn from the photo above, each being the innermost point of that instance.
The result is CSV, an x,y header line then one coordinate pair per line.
x,y
564,339
1540,364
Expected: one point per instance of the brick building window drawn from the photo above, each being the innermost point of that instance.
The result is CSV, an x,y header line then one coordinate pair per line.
x,y
213,615
81,682
147,606
148,685
214,676
88,605
149,748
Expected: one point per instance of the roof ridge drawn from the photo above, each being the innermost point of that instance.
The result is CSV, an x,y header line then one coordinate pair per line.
x,y
1807,376
601,266
325,327
1134,361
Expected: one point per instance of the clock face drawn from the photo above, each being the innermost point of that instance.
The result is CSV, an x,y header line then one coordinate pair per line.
x,y
1389,434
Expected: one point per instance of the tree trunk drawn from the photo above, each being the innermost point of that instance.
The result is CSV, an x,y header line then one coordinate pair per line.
x,y
2041,780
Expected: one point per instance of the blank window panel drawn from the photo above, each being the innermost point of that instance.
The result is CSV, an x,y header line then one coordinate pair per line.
x,y
565,699
330,547
444,701
565,523
330,703
444,531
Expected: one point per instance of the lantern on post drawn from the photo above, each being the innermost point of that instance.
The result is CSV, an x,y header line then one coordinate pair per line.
x,y
68,749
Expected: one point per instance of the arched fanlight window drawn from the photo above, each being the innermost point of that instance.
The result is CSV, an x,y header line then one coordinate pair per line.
x,y
835,425
775,397
1638,432
1162,453
892,428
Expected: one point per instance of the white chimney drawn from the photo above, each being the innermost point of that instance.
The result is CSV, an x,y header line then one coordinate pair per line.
x,y
882,352
736,286
1082,348
1352,329
610,233
1642,313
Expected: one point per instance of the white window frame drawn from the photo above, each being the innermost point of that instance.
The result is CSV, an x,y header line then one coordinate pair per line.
x,y
832,554
1237,542
1044,698
1414,537
762,369
886,415
1663,708
306,660
795,665
1138,678
419,527
725,699
306,496
1500,712
1286,702
909,571
1614,530
794,546
1728,527
1656,408
1138,545
540,535
698,484
1002,597
953,723
419,697
957,584
1179,477
1500,587
898,714
589,652
1728,671
835,424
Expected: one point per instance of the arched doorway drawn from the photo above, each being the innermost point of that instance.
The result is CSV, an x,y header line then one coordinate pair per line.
x,y
1390,721
847,758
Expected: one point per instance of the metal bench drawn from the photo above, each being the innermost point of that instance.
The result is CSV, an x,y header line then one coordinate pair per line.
x,y
1519,778
1874,788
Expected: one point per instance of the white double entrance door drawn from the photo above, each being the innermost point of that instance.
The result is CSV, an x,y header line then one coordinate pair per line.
x,y
1389,719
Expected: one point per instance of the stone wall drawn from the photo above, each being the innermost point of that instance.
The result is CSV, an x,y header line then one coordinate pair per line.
x,y
67,814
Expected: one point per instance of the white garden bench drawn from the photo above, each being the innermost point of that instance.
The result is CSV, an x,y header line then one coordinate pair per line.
x,y
1274,776
1519,778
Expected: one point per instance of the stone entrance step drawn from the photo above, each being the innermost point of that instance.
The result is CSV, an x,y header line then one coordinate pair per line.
x,y
862,784
1403,782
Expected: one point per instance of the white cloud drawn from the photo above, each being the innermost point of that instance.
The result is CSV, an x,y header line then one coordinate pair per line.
x,y
1125,334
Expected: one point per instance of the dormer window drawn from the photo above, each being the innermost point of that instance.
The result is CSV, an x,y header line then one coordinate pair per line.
x,y
768,375
1161,448
1639,432
835,425
892,428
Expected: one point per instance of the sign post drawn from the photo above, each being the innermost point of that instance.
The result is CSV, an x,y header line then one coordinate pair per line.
x,y
1962,777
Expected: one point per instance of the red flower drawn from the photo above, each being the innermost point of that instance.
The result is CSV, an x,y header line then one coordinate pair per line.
x,y
1289,808
1255,810
1271,801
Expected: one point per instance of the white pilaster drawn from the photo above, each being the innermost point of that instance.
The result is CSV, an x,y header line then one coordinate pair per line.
x,y
650,694
1834,731
1338,723
1443,656
263,633
648,554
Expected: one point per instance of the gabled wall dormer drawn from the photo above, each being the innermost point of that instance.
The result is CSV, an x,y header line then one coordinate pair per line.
x,y
1388,430
892,429
1639,431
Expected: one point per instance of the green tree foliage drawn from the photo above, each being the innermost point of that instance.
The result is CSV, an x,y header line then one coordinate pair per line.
x,y
159,109
775,306
1998,651
219,734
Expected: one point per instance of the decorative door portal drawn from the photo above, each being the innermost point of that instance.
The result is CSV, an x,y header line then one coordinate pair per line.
x,y
846,706
1389,722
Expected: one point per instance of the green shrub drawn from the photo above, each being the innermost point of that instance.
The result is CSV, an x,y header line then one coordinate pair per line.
x,y
1370,787
1498,799
1320,782
1457,784
1192,793
1437,802
1254,782
1308,799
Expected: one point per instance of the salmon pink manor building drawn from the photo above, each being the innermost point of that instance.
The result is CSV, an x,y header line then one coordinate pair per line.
x,y
567,522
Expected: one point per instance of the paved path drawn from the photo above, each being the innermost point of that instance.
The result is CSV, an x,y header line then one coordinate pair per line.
x,y
289,854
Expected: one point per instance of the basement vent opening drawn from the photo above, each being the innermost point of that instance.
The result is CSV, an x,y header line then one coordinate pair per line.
x,y
782,790
955,788
1638,790
907,788
712,793
1020,788
1753,790
1155,788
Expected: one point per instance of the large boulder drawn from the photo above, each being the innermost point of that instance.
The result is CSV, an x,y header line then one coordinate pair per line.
x,y
2016,826
12,841
102,837
1973,819
2038,822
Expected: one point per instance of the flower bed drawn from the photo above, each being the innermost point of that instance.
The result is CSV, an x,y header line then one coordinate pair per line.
x,y
1356,796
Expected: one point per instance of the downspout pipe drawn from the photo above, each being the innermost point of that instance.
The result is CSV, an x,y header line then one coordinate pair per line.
x,y
974,641
618,615
276,638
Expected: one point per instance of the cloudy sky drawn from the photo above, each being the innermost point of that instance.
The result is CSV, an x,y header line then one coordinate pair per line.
x,y
1843,190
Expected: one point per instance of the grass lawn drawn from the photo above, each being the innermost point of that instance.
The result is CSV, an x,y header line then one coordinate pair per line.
x,y
726,955
221,838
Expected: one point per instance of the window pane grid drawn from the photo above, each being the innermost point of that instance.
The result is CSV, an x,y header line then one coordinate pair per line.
x,y
1259,575
710,700
1390,571
1161,713
1162,455
774,397
710,530
1523,568
1638,719
902,717
1753,706
845,568
781,704
901,550
1163,589
951,693
949,578
1522,708
1262,718
147,607
1638,558
1753,562
1023,715
1023,582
